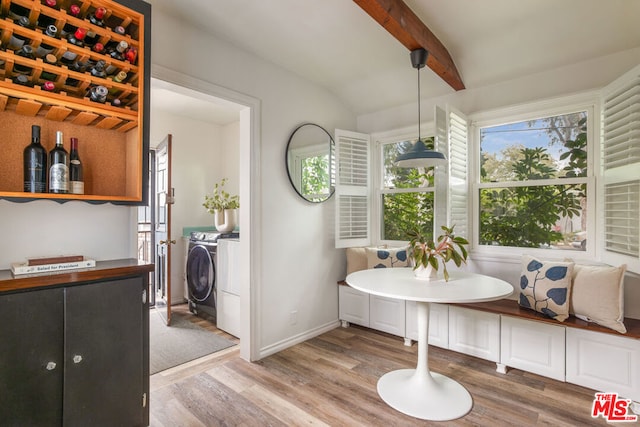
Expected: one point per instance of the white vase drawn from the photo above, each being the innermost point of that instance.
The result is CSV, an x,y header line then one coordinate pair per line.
x,y
225,220
425,273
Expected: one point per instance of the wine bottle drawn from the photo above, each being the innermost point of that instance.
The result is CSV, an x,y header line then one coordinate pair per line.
x,y
98,94
96,17
45,49
58,167
35,164
18,40
77,37
76,179
25,52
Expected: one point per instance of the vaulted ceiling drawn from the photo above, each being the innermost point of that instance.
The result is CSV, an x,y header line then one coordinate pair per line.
x,y
335,44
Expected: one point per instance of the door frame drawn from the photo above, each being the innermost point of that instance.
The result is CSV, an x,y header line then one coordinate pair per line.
x,y
249,218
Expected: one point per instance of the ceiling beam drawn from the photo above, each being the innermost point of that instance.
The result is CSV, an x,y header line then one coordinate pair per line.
x,y
399,20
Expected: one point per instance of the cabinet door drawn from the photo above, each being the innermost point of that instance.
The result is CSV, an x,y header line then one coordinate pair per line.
x,y
474,332
31,359
604,362
533,347
104,354
438,323
387,315
353,305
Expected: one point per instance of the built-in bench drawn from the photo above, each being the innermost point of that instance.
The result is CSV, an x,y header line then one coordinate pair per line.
x,y
512,308
574,351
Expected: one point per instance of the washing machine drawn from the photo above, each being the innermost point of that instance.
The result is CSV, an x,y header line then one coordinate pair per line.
x,y
201,272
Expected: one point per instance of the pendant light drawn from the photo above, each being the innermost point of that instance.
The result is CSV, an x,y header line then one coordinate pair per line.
x,y
419,155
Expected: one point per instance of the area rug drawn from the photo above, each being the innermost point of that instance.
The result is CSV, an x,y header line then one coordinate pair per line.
x,y
179,343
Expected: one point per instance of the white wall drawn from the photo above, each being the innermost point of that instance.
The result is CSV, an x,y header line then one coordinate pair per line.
x,y
46,228
299,264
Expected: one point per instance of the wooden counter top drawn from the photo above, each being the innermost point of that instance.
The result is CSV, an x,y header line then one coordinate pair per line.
x,y
102,271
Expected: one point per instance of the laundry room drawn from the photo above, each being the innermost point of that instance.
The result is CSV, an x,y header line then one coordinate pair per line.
x,y
177,232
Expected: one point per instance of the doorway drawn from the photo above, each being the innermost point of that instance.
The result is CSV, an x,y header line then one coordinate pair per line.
x,y
247,109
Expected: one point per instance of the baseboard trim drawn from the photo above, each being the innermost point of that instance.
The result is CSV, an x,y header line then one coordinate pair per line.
x,y
297,339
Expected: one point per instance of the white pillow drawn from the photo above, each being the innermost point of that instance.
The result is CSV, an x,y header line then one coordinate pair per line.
x,y
598,295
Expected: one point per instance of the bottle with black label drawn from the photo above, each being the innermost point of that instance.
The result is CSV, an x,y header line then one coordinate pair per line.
x,y
35,164
76,179
58,167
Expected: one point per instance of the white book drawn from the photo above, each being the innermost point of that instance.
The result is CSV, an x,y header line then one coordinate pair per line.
x,y
24,267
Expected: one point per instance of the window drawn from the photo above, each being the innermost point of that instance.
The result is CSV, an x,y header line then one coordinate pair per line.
x,y
533,184
407,194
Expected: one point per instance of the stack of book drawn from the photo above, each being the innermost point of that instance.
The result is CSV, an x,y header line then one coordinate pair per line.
x,y
52,264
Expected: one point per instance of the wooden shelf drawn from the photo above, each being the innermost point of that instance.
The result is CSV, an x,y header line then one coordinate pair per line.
x,y
113,139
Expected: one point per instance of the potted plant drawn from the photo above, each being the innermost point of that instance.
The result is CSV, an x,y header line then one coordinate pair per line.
x,y
427,254
223,206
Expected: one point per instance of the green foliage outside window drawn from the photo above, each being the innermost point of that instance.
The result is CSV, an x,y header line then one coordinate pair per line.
x,y
404,210
527,215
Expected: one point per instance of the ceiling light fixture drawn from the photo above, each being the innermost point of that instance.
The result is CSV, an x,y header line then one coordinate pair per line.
x,y
419,155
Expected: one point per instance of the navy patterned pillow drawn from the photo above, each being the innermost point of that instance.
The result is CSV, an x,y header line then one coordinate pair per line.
x,y
545,286
387,257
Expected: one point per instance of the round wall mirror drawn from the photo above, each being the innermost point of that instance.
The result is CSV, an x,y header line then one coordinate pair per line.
x,y
311,162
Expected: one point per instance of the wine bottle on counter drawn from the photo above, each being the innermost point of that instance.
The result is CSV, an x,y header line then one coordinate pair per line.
x,y
35,164
58,167
76,179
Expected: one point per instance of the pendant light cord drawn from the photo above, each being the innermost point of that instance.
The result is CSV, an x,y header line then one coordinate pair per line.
x,y
419,138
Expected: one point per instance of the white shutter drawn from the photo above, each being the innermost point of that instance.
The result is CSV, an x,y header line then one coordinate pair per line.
x,y
451,179
441,181
353,189
458,132
620,157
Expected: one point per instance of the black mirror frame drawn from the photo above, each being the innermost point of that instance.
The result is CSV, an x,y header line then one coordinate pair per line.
x,y
331,149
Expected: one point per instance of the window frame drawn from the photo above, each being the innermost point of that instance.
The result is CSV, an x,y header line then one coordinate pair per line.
x,y
427,130
588,102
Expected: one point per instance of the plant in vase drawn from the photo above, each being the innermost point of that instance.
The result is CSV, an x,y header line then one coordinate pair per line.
x,y
427,254
223,206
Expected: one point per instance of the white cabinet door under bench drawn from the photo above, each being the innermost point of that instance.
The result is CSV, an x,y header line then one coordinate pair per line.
x,y
533,347
474,332
604,362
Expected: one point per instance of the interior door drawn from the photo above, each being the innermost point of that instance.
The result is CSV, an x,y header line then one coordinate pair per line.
x,y
164,199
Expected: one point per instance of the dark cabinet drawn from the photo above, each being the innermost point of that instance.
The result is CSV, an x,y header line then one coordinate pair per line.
x,y
75,355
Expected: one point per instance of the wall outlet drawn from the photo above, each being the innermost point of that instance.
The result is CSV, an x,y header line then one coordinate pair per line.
x,y
293,317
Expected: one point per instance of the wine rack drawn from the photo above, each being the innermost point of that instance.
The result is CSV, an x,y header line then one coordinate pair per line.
x,y
113,135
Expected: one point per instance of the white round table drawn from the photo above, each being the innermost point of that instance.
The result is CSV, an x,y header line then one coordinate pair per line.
x,y
419,392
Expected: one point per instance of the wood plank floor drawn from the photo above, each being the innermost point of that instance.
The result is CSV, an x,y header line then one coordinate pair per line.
x,y
331,380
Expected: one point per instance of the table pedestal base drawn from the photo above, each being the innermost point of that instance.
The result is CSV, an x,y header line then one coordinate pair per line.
x,y
429,396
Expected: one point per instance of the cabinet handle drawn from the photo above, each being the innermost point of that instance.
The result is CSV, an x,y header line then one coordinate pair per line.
x,y
77,358
51,366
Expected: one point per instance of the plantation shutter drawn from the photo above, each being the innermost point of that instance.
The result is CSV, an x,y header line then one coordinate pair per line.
x,y
352,189
458,132
620,162
441,181
451,179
